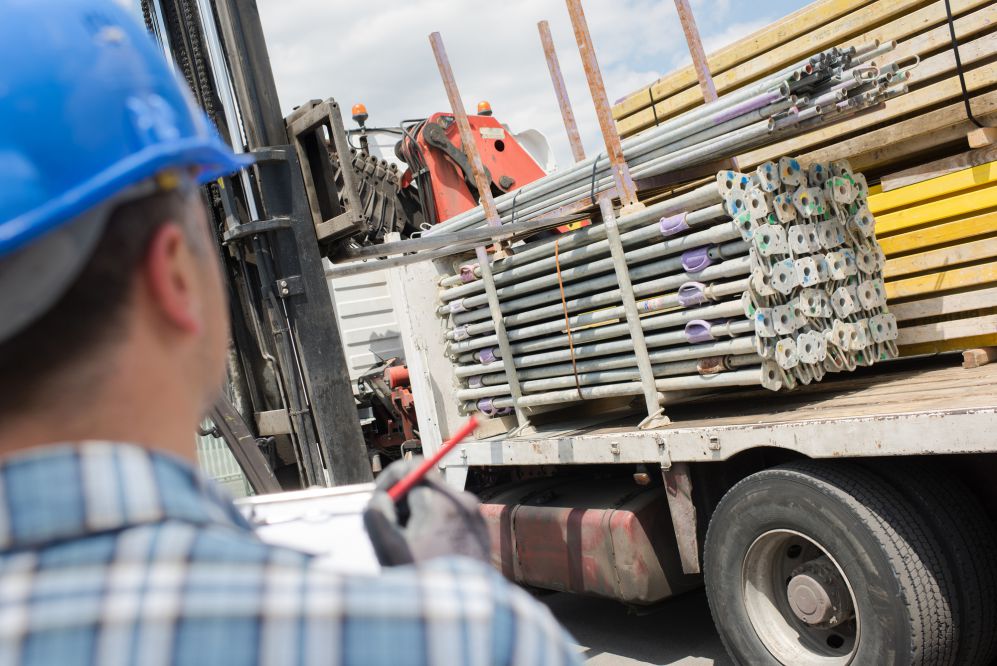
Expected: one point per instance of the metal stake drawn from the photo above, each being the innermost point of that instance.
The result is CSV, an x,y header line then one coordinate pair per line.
x,y
491,215
621,174
468,145
633,316
699,62
561,92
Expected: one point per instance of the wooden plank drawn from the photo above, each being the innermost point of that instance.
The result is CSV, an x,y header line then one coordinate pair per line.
x,y
957,278
978,225
948,330
940,209
941,258
945,305
936,187
942,346
982,136
975,358
981,78
938,168
798,23
900,140
885,21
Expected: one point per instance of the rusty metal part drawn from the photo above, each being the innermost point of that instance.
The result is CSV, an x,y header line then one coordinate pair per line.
x,y
467,140
611,539
561,92
699,61
678,490
621,174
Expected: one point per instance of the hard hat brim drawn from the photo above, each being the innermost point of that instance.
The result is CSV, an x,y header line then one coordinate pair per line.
x,y
209,156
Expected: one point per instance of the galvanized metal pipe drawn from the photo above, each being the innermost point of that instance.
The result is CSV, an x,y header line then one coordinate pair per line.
x,y
602,376
649,306
652,232
605,348
712,292
521,310
792,73
700,205
665,352
748,377
717,234
494,373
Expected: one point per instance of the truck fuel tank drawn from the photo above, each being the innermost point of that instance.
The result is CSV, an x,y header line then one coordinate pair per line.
x,y
602,537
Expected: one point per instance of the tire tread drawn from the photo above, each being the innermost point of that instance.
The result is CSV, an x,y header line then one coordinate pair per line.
x,y
915,554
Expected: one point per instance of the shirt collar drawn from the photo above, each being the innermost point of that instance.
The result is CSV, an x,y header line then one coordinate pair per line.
x,y
65,491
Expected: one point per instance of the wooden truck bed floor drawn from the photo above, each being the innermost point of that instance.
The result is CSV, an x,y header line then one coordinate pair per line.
x,y
908,407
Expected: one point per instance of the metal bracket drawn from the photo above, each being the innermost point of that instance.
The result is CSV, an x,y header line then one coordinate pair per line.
x,y
256,227
290,286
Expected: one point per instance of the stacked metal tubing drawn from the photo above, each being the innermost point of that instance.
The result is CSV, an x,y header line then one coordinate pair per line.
x,y
772,278
826,88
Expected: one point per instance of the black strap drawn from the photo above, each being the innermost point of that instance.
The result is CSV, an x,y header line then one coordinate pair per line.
x,y
516,194
650,95
958,67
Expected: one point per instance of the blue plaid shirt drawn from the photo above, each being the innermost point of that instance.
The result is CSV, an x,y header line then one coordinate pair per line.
x,y
111,554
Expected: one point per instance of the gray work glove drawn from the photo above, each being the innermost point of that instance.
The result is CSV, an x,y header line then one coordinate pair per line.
x,y
432,520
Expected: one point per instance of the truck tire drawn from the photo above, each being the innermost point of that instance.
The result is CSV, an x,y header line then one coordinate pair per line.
x,y
824,563
967,535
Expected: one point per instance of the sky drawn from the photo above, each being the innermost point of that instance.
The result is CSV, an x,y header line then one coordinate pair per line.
x,y
377,52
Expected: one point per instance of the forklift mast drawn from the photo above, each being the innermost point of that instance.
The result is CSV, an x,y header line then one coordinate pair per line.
x,y
289,413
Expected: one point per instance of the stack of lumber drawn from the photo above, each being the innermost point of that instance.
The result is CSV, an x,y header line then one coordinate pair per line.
x,y
935,203
940,239
928,123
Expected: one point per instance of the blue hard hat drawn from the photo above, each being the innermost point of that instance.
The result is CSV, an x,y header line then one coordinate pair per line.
x,y
89,106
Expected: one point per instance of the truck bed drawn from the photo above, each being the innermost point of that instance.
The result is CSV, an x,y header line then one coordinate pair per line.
x,y
915,406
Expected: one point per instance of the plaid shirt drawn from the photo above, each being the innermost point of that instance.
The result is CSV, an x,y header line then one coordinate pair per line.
x,y
111,554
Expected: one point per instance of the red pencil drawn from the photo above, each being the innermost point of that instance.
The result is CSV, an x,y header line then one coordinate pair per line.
x,y
397,491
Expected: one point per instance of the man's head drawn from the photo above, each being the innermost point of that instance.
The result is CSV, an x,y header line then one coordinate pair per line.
x,y
145,319
112,315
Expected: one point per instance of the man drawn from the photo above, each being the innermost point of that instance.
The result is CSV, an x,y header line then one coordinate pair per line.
x,y
113,550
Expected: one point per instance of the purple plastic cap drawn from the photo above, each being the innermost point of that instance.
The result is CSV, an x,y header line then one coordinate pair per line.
x,y
692,293
697,259
673,224
467,273
698,330
487,355
475,381
457,306
460,332
487,407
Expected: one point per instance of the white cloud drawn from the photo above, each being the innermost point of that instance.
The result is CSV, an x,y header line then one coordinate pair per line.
x,y
377,52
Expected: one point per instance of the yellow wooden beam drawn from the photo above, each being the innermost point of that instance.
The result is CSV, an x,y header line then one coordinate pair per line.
x,y
942,346
949,304
948,232
978,79
885,21
906,139
938,168
956,278
934,211
941,258
936,187
952,329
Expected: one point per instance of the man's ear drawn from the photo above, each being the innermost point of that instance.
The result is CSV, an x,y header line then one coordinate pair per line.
x,y
172,279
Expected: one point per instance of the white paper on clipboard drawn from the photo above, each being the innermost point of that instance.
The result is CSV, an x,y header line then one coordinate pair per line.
x,y
327,522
